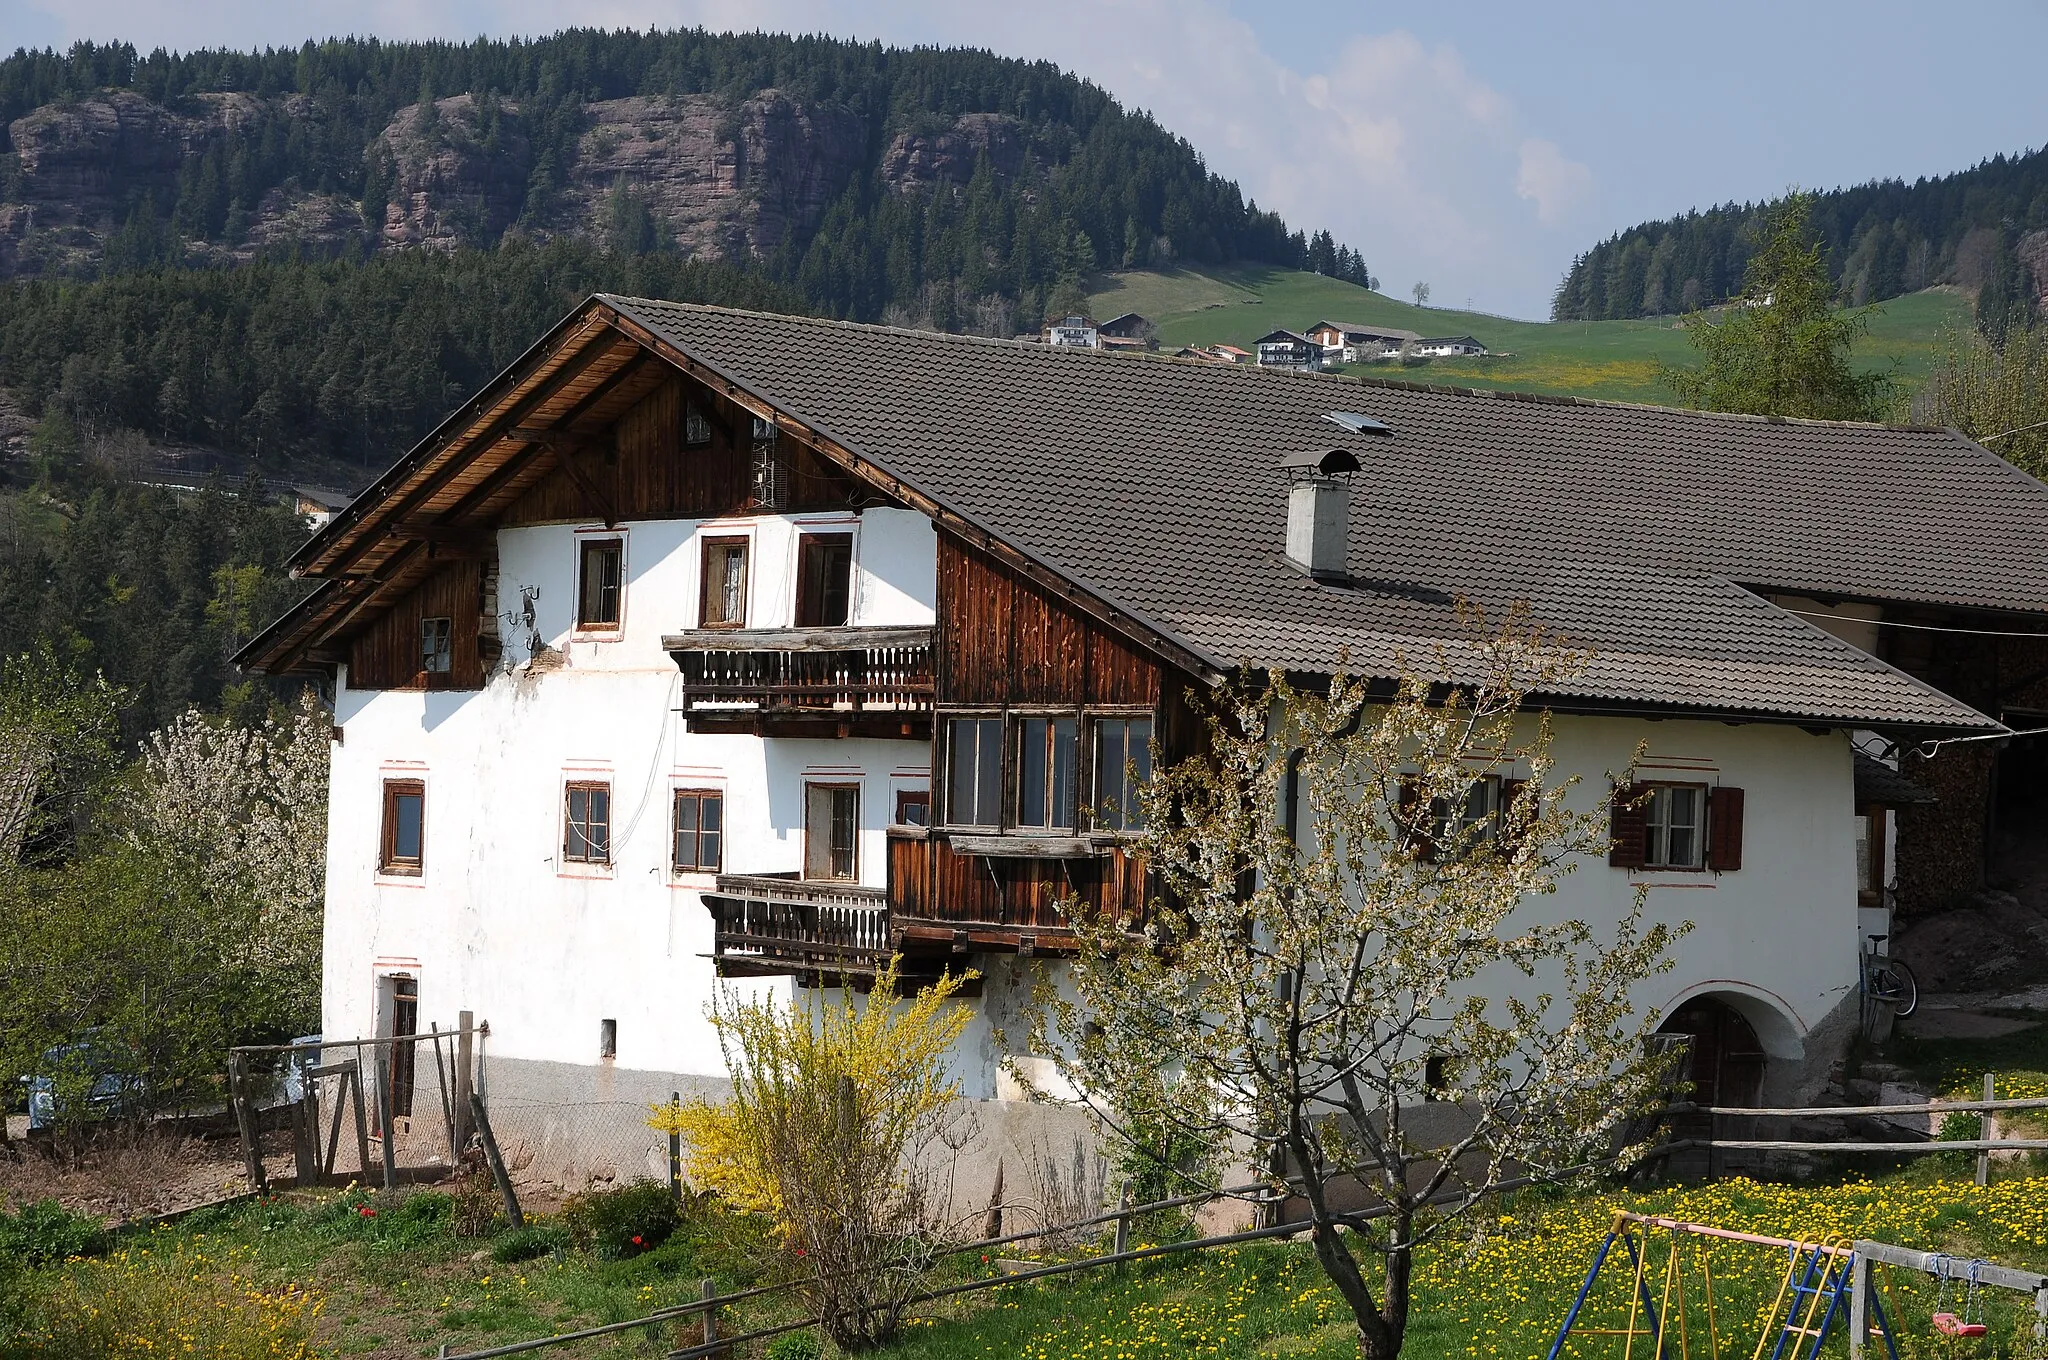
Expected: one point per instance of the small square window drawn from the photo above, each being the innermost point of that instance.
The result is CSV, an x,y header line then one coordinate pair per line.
x,y
913,807
437,646
600,583
1675,826
587,824
824,580
607,1038
700,831
725,584
696,426
403,850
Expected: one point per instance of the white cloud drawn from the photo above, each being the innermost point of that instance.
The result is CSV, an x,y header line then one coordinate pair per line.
x,y
1393,144
1556,183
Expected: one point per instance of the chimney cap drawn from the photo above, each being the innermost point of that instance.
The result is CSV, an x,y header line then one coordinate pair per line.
x,y
1321,462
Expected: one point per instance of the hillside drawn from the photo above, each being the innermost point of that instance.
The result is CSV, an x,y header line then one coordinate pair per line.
x,y
952,186
1884,239
1611,359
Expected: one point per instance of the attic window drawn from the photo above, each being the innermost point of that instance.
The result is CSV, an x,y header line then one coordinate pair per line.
x,y
696,426
1358,424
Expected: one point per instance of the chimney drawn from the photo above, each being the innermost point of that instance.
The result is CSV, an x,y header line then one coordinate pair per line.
x,y
1319,510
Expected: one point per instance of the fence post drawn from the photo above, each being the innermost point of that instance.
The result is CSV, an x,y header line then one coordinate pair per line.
x,y
1984,1131
675,1151
1122,1240
483,1128
1859,1304
246,1122
2041,1315
384,1130
707,1291
306,1121
465,1058
355,1087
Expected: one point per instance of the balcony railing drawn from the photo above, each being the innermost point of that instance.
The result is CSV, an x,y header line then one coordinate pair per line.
x,y
770,924
826,673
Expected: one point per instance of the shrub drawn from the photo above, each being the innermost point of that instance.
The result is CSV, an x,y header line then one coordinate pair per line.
x,y
131,1302
624,1222
46,1232
525,1244
476,1203
831,1107
795,1346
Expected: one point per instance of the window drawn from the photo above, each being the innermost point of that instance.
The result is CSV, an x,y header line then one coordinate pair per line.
x,y
831,821
436,646
1046,782
700,831
405,808
770,476
725,583
1674,822
696,426
587,824
974,772
607,1038
599,583
1475,821
1123,762
824,580
913,807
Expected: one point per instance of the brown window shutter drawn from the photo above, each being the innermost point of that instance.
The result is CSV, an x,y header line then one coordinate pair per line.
x,y
1414,819
1724,830
1510,790
1629,828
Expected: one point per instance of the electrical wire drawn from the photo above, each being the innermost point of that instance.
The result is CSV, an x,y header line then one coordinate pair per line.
x,y
1916,627
653,762
2018,430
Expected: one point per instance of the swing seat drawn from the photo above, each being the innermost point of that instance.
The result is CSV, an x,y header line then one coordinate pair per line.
x,y
1948,1324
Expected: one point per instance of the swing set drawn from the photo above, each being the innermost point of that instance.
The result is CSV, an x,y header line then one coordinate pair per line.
x,y
1827,1289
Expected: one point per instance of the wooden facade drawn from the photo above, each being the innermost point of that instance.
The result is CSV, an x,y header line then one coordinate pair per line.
x,y
644,467
388,653
1006,645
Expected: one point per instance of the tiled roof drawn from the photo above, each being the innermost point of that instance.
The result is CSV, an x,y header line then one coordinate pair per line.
x,y
1155,484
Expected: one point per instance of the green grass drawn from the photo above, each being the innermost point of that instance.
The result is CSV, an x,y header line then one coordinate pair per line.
x,y
1618,360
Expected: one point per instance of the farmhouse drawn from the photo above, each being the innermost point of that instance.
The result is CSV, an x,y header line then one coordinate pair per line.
x,y
1448,346
1285,349
689,647
1351,343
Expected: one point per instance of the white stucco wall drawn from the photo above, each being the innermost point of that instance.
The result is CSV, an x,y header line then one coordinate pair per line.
x,y
497,923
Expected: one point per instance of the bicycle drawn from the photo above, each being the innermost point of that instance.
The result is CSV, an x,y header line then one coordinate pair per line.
x,y
1884,982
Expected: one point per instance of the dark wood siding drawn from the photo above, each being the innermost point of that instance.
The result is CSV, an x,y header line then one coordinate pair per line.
x,y
386,655
644,470
1004,640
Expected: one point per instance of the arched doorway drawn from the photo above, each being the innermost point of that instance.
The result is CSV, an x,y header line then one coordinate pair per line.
x,y
1725,1062
1725,1066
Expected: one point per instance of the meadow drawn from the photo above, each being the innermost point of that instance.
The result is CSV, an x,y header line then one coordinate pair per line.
x,y
1616,360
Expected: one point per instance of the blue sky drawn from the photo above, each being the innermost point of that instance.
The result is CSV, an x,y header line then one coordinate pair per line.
x,y
1474,145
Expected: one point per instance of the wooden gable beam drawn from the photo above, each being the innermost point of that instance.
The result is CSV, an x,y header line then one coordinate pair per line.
x,y
1130,626
481,494
402,504
572,452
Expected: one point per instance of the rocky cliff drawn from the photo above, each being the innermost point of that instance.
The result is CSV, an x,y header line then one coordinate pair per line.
x,y
732,177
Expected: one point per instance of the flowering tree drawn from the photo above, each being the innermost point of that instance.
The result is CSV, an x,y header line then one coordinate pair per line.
x,y
1350,973
833,1107
246,809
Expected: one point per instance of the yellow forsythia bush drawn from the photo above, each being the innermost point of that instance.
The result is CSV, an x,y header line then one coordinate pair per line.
x,y
180,1299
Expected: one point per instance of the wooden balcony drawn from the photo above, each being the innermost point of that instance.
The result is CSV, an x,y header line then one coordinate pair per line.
x,y
960,893
771,925
873,682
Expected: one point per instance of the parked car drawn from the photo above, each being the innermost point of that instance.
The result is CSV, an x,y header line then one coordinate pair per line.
x,y
111,1085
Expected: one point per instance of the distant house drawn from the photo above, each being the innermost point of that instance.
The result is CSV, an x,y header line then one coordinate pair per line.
x,y
1448,346
1230,354
1129,331
1350,343
1199,355
1073,332
1289,349
319,504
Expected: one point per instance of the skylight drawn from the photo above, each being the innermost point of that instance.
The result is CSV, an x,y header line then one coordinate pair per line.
x,y
1358,424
